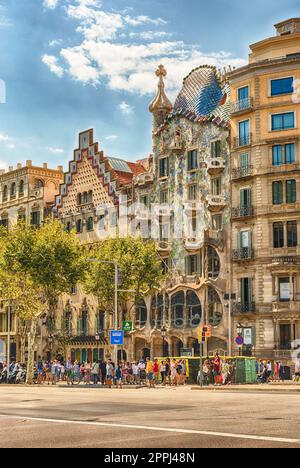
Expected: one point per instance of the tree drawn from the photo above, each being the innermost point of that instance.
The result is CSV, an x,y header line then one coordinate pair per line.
x,y
140,269
40,264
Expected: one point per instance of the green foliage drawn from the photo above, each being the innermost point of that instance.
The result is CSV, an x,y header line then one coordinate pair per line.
x,y
139,265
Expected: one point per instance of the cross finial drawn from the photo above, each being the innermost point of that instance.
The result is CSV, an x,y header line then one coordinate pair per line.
x,y
161,71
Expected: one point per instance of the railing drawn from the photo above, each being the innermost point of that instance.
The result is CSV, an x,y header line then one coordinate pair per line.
x,y
283,346
213,236
242,212
216,201
215,165
246,253
286,260
243,307
242,172
242,141
242,105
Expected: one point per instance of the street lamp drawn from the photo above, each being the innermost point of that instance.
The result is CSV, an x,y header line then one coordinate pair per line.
x,y
163,332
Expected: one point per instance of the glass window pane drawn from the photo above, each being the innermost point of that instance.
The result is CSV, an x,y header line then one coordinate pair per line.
x,y
278,236
292,238
277,193
282,86
283,121
277,155
291,191
289,153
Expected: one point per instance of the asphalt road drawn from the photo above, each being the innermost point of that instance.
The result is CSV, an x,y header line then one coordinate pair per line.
x,y
147,418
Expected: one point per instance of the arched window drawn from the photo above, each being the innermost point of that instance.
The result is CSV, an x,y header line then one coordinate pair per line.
x,y
79,199
5,193
38,183
90,224
90,196
213,262
215,309
85,323
194,309
13,190
79,226
177,310
85,198
21,187
141,314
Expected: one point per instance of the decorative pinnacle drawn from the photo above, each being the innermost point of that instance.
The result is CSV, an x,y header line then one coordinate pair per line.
x,y
161,102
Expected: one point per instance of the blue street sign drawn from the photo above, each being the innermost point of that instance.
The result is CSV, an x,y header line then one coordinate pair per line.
x,y
117,337
239,340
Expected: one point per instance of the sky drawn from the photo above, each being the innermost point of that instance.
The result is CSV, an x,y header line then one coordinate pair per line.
x,y
70,65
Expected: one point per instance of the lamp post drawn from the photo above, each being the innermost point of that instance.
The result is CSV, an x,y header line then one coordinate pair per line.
x,y
97,338
163,332
8,338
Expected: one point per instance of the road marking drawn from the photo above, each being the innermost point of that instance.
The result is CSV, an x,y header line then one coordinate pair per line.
x,y
157,428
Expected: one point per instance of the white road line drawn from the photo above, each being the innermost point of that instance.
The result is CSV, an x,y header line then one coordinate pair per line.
x,y
157,428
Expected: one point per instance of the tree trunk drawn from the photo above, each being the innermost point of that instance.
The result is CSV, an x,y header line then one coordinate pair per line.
x,y
31,345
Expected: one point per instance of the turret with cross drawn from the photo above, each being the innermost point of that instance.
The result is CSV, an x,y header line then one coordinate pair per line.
x,y
160,107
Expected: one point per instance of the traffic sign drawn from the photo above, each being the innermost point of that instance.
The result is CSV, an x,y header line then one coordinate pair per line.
x,y
117,337
239,340
204,332
127,326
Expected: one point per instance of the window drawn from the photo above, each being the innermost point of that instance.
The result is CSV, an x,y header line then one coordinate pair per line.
x,y
277,188
244,133
216,149
282,86
193,308
164,230
217,186
291,195
283,154
85,198
245,199
215,310
286,289
213,263
278,236
21,187
90,224
193,266
4,222
164,196
165,265
100,321
283,121
78,226
79,199
217,222
246,294
73,290
192,160
144,200
277,155
163,167
193,191
90,196
67,323
38,184
292,237
13,190
35,218
141,314
244,164
5,192
177,309
243,96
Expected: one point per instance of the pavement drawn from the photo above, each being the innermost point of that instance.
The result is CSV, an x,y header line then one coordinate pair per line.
x,y
148,418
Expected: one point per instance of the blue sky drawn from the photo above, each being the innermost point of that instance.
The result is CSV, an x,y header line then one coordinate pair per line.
x,y
69,65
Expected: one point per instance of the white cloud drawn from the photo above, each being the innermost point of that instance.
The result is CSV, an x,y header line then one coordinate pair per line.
x,y
125,108
51,4
55,150
4,137
107,55
6,141
111,137
52,64
55,42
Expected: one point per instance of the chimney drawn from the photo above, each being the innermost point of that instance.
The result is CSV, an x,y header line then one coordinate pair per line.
x,y
29,163
60,168
45,166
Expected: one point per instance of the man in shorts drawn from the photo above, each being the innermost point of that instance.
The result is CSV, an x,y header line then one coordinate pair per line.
x,y
150,373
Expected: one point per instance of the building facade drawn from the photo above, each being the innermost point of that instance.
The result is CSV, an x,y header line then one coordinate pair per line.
x,y
265,185
180,197
27,194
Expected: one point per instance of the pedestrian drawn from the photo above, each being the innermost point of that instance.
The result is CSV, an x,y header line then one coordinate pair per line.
x,y
269,370
109,373
54,372
297,371
162,369
150,373
103,365
135,373
276,372
88,369
174,374
225,371
217,369
142,371
156,371
40,368
168,371
119,376
95,372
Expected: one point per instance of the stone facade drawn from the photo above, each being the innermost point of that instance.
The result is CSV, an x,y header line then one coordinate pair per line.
x,y
265,195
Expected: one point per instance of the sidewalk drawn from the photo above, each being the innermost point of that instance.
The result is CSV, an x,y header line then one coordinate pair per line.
x,y
276,387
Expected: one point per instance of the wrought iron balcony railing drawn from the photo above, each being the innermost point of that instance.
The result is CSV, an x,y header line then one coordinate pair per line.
x,y
241,141
245,253
243,307
242,212
242,105
242,172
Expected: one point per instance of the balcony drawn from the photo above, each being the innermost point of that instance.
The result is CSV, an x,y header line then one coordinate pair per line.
x,y
215,166
244,105
242,141
192,244
243,307
163,246
242,172
242,212
216,203
246,253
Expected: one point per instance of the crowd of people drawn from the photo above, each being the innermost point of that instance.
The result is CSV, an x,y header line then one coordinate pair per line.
x,y
150,372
